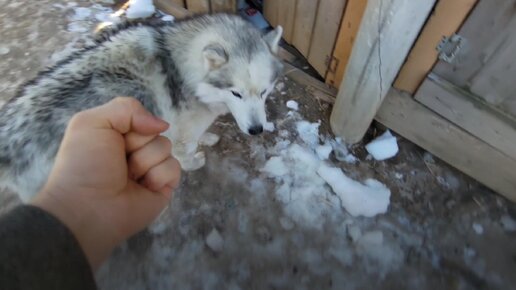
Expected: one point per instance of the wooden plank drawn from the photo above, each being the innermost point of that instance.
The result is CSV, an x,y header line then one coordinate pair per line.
x,y
306,10
444,21
327,23
172,8
495,80
180,3
304,79
449,142
270,11
386,35
345,40
228,6
474,117
198,6
286,17
484,31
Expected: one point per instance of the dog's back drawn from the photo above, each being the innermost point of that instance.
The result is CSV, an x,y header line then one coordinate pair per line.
x,y
32,123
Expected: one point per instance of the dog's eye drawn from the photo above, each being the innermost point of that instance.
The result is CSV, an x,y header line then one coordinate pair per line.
x,y
263,93
236,94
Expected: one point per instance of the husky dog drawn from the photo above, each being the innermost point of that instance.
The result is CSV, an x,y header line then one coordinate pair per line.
x,y
188,73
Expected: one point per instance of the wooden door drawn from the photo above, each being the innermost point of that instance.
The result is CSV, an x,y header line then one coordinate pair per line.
x,y
476,89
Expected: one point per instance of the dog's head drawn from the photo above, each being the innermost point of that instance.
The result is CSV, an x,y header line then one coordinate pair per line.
x,y
241,73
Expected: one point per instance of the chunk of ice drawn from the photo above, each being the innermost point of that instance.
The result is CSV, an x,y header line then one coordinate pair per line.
x,y
383,147
140,9
291,104
368,199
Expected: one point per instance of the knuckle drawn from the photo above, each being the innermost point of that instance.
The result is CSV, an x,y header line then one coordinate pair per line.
x,y
166,143
127,102
162,145
78,119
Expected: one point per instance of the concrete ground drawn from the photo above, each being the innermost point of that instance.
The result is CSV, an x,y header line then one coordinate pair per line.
x,y
227,227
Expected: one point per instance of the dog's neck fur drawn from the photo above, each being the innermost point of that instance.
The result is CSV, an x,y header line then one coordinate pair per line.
x,y
187,64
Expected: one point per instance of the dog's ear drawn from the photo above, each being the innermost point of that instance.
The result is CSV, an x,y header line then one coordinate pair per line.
x,y
214,56
273,38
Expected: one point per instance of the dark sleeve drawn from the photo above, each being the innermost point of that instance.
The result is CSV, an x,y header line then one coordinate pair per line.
x,y
38,252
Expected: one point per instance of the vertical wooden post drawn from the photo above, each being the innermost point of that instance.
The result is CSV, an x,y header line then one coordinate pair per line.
x,y
387,32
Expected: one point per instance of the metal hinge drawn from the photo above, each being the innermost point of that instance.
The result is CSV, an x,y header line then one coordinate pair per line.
x,y
449,47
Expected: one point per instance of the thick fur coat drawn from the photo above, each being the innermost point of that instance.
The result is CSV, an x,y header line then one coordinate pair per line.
x,y
188,73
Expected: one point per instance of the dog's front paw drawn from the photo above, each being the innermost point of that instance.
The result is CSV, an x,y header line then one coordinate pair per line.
x,y
197,161
209,139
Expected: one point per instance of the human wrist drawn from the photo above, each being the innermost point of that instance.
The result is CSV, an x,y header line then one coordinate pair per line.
x,y
94,239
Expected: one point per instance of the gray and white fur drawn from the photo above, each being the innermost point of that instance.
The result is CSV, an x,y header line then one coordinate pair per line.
x,y
188,73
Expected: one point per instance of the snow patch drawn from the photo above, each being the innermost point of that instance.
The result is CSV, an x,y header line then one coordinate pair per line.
x,y
478,228
168,18
140,9
508,223
269,127
275,167
383,147
341,151
308,132
215,241
4,50
77,27
81,14
368,199
291,104
323,151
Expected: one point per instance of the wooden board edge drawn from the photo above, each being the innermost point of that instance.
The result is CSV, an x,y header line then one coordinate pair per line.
x,y
348,31
463,110
287,10
172,8
401,113
446,19
305,79
303,26
324,34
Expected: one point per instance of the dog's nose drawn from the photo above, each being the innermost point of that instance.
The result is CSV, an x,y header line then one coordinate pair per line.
x,y
255,130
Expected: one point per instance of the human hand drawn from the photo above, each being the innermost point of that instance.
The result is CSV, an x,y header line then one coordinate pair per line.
x,y
112,176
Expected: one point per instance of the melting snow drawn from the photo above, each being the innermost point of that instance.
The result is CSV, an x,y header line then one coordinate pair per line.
x,y
383,147
323,151
478,228
269,126
215,241
291,104
140,9
368,199
301,174
168,18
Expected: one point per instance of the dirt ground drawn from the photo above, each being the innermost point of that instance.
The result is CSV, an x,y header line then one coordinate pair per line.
x,y
442,229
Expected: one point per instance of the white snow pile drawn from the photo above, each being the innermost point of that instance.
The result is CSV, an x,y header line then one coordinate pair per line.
x,y
167,17
368,199
324,151
140,9
291,104
215,241
341,151
383,147
269,127
301,174
478,228
83,19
